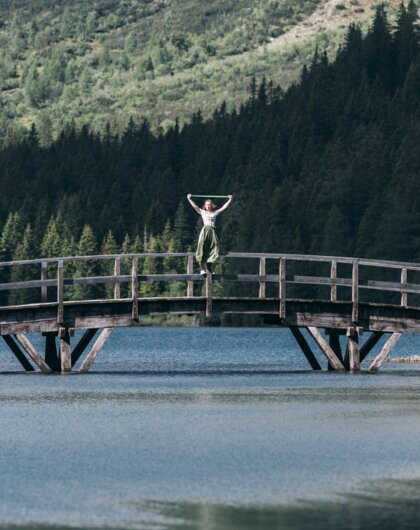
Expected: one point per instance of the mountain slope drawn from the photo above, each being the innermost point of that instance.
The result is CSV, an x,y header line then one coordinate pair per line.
x,y
94,62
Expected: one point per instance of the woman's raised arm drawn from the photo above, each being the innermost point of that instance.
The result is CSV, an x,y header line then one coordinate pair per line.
x,y
227,203
196,208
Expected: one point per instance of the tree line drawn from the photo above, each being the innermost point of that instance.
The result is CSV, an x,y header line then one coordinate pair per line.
x,y
330,166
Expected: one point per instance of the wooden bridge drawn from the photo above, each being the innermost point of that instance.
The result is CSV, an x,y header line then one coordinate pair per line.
x,y
344,296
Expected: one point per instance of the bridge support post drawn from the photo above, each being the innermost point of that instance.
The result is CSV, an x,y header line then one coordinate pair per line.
x,y
65,350
51,354
334,343
354,353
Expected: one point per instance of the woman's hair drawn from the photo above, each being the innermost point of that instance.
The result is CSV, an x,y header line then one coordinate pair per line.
x,y
210,201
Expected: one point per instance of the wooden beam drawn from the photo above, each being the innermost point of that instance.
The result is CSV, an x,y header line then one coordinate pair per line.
x,y
334,342
60,292
326,348
370,344
304,346
82,345
190,270
282,287
65,351
51,355
20,356
262,273
134,290
87,363
388,346
117,272
32,352
404,281
44,276
209,294
333,276
354,353
355,291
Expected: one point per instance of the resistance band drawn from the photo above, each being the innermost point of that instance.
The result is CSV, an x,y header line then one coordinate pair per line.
x,y
211,196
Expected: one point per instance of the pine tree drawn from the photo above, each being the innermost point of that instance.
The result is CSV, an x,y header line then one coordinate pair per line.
x,y
87,246
25,250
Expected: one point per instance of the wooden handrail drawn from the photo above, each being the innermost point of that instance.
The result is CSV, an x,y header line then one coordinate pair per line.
x,y
355,279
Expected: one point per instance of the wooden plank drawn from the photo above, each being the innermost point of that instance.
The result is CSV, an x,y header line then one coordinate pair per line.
x,y
388,346
82,345
91,356
117,272
326,348
404,280
32,352
321,280
60,292
190,271
355,291
134,290
262,273
282,287
333,276
393,287
354,353
209,295
44,276
20,356
65,352
306,349
370,344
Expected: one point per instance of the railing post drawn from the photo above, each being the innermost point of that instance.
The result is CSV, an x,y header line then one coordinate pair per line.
x,y
117,272
134,289
355,291
60,291
262,273
282,287
333,276
44,276
404,294
190,270
209,295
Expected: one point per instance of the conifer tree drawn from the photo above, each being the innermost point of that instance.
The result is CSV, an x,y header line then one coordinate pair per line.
x,y
25,250
87,246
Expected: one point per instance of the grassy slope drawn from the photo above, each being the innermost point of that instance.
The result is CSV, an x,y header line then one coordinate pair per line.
x,y
155,59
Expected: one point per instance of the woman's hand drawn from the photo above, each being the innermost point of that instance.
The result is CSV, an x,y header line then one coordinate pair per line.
x,y
230,197
189,196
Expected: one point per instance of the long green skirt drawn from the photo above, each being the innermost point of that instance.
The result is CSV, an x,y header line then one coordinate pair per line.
x,y
208,245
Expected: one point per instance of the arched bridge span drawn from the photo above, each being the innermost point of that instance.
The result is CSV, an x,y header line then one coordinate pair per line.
x,y
344,296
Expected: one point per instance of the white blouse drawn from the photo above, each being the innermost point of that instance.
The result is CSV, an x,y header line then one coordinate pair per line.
x,y
209,218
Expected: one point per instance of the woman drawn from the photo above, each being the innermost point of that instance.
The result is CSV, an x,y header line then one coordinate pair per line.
x,y
208,244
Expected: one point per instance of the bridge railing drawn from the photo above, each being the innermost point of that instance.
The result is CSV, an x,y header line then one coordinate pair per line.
x,y
259,275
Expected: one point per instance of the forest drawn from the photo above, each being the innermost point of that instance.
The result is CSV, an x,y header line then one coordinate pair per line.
x,y
330,166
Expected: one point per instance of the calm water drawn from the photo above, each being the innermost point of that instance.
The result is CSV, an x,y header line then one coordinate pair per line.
x,y
210,429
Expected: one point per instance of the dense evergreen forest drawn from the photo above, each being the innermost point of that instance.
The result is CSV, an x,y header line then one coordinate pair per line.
x,y
331,166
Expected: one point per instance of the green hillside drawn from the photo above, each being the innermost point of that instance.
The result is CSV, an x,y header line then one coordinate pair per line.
x,y
106,60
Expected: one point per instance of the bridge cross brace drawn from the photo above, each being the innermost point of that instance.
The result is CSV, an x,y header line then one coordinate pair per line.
x,y
354,355
56,360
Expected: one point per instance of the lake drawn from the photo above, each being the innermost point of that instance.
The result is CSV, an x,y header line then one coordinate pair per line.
x,y
210,428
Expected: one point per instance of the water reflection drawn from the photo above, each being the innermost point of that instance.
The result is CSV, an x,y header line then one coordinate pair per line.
x,y
385,505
